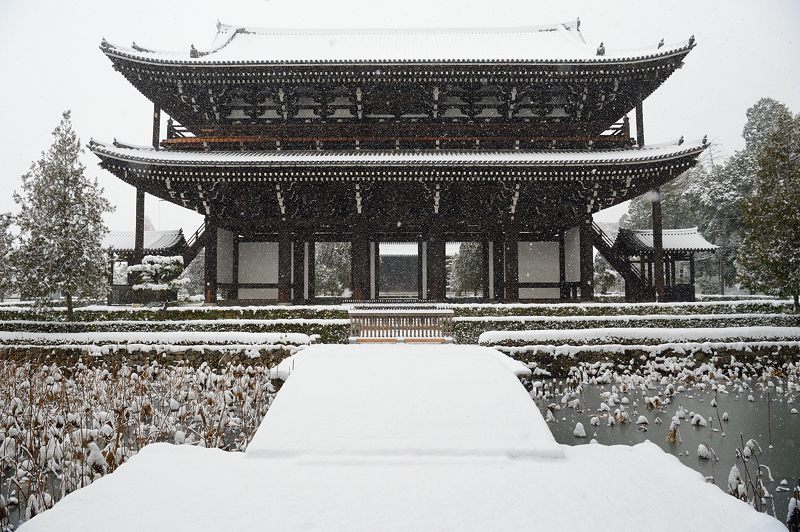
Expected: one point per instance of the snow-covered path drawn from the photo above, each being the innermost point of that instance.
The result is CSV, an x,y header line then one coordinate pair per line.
x,y
376,438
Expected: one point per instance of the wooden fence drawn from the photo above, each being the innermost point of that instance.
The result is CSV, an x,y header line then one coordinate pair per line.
x,y
397,324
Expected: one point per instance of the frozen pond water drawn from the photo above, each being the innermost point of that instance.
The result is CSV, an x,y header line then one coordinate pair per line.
x,y
746,418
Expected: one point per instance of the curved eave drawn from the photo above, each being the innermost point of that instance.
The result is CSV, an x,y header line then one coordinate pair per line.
x,y
131,55
396,159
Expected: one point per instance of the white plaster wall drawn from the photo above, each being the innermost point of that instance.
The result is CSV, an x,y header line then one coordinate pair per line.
x,y
258,293
224,256
258,263
538,262
539,293
572,255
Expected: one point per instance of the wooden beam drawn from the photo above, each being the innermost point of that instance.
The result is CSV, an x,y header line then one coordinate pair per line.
x,y
562,265
658,245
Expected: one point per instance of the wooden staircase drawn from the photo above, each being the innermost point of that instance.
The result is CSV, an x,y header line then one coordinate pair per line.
x,y
635,287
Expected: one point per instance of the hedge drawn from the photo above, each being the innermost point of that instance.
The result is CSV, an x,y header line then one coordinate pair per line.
x,y
619,309
467,330
328,331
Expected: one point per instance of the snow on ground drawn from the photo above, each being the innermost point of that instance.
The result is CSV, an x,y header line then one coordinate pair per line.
x,y
402,438
661,334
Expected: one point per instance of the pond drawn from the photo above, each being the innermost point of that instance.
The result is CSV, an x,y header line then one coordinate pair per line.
x,y
747,411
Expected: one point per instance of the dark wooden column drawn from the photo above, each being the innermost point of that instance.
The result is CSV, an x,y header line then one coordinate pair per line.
x,y
156,125
233,293
138,244
562,266
211,260
299,269
691,268
511,259
437,273
284,264
360,265
485,267
498,256
655,198
586,259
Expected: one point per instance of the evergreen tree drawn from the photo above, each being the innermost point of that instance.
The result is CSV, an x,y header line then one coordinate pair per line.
x,y
332,269
6,240
605,277
61,225
467,269
769,255
159,274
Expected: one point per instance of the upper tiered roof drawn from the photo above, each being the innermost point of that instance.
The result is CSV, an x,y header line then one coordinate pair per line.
x,y
553,43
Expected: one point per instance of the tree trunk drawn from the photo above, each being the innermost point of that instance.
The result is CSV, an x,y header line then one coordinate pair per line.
x,y
796,302
69,305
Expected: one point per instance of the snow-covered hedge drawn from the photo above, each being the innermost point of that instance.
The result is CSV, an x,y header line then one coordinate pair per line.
x,y
326,330
468,329
638,336
760,306
110,313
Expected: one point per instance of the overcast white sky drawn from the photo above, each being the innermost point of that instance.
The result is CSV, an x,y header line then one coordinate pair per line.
x,y
50,61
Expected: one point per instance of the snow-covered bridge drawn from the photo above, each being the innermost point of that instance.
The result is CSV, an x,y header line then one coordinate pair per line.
x,y
402,437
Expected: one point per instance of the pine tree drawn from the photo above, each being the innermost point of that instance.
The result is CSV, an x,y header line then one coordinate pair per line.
x,y
769,255
61,225
159,274
6,240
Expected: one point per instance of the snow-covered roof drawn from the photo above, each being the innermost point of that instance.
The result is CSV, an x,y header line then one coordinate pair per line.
x,y
153,240
688,239
552,43
130,153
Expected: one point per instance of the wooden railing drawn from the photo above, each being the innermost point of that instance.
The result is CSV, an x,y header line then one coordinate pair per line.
x,y
401,324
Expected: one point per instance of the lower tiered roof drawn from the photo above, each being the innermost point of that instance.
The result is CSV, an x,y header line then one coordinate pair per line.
x,y
474,186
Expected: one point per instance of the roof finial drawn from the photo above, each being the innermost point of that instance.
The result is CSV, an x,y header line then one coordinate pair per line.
x,y
691,40
661,43
680,140
601,50
578,24
219,24
104,43
705,140
193,52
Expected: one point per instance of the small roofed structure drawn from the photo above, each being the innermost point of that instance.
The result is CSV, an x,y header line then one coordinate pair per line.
x,y
680,248
122,247
122,243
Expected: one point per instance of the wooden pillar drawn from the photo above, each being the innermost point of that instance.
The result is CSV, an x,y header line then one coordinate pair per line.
x,y
360,265
511,266
138,245
586,259
691,268
211,260
156,125
298,269
655,198
233,293
658,245
639,124
562,266
498,267
284,264
311,267
485,268
436,262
